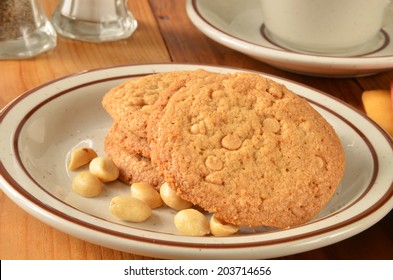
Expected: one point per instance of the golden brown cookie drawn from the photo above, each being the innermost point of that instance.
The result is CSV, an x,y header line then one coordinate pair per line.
x,y
130,102
248,149
130,142
133,167
129,105
156,110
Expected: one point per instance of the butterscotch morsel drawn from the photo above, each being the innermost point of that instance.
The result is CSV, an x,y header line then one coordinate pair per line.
x,y
214,163
271,125
320,162
297,211
231,142
198,128
214,178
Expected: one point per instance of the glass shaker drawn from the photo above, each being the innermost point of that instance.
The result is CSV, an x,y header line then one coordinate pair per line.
x,y
25,31
94,20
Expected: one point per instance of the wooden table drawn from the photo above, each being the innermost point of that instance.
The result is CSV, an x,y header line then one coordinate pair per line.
x,y
165,34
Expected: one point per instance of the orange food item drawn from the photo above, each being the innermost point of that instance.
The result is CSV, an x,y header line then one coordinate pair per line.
x,y
378,106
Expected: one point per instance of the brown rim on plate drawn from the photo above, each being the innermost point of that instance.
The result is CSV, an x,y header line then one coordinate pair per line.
x,y
385,42
279,48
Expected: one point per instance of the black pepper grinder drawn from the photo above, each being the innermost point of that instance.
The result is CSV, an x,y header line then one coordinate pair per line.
x,y
25,31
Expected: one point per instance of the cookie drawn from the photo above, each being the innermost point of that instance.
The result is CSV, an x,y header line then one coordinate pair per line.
x,y
130,102
130,142
129,105
248,149
156,110
133,167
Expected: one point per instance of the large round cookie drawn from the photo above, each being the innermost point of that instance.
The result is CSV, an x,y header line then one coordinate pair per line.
x,y
249,150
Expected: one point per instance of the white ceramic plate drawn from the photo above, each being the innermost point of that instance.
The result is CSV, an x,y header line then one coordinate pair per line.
x,y
239,25
40,128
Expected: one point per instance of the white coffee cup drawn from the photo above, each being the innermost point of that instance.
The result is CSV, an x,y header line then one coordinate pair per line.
x,y
324,26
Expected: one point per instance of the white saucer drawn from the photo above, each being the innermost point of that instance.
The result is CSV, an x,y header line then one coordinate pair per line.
x,y
239,25
40,128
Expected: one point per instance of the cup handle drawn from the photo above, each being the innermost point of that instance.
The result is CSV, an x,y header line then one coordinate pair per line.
x,y
388,15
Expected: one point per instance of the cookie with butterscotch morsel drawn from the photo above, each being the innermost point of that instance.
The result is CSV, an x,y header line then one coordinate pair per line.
x,y
129,103
156,111
249,150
